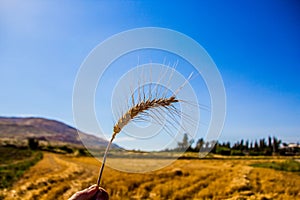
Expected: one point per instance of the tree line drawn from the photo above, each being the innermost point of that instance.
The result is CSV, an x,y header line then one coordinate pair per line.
x,y
263,146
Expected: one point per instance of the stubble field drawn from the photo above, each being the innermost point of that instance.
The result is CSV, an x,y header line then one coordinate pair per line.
x,y
59,176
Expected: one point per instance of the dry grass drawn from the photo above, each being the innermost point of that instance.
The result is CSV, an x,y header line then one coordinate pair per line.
x,y
59,176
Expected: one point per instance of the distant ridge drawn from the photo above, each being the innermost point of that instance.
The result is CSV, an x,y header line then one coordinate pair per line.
x,y
47,131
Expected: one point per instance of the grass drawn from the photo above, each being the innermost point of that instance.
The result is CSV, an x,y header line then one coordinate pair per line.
x,y
288,165
13,154
14,162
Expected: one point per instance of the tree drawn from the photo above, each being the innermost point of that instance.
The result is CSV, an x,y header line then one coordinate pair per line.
x,y
186,143
33,143
247,145
213,146
255,146
228,145
199,144
241,146
270,142
276,144
262,144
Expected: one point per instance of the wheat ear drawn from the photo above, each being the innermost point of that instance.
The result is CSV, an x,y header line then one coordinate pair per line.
x,y
134,111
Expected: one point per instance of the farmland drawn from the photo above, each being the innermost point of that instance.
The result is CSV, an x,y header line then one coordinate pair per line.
x,y
58,176
14,162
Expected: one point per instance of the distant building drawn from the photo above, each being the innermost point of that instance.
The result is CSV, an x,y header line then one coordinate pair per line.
x,y
290,149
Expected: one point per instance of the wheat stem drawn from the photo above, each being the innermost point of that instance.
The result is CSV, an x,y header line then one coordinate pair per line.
x,y
104,159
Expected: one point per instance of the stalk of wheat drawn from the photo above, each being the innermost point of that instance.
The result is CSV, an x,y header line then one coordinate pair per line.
x,y
131,114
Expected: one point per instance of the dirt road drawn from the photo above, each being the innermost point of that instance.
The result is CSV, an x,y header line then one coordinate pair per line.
x,y
54,177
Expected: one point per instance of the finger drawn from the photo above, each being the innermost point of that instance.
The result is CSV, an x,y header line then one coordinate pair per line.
x,y
101,195
85,194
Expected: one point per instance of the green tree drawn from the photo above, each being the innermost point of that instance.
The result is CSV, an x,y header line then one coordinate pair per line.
x,y
186,143
33,143
256,148
199,144
262,144
270,145
247,145
276,144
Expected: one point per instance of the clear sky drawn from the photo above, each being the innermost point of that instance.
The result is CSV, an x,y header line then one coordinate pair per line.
x,y
255,44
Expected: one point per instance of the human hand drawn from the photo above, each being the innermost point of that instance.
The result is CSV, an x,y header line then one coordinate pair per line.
x,y
92,193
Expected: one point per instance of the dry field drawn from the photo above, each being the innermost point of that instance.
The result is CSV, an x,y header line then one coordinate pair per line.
x,y
59,176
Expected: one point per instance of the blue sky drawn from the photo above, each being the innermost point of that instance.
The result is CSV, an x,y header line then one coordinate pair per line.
x,y
255,44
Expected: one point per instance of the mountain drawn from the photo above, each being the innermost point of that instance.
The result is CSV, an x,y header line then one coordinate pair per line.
x,y
46,131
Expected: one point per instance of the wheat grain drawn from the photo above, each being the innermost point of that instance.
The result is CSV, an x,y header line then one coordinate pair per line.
x,y
142,107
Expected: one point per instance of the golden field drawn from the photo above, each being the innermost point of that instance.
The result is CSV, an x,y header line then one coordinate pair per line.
x,y
58,176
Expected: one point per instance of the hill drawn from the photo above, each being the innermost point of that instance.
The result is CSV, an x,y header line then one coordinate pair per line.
x,y
17,130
